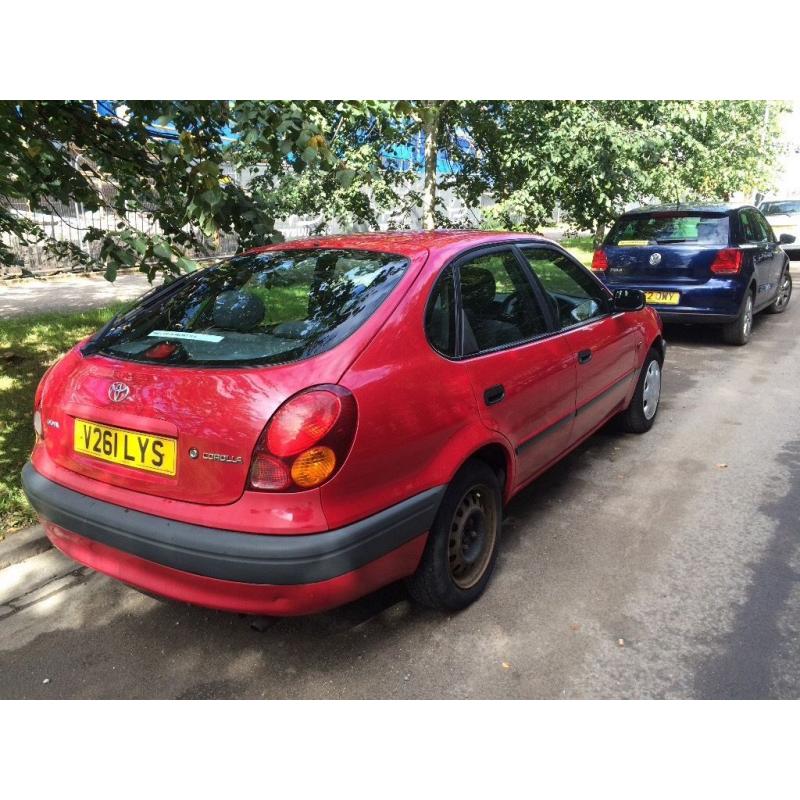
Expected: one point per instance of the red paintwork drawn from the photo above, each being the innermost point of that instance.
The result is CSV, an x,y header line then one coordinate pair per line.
x,y
244,598
420,417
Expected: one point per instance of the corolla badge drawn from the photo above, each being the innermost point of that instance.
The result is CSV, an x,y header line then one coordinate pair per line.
x,y
118,391
655,259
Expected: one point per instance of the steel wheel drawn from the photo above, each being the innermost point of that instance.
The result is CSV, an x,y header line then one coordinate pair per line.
x,y
473,531
651,392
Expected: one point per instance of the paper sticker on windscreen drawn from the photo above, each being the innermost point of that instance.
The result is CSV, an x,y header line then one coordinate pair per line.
x,y
196,337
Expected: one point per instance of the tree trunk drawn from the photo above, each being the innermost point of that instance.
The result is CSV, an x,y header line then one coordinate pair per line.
x,y
599,234
431,118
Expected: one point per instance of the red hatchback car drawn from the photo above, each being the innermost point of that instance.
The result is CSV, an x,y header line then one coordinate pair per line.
x,y
307,422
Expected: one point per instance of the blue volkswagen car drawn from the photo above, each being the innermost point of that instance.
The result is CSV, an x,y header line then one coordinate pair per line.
x,y
717,264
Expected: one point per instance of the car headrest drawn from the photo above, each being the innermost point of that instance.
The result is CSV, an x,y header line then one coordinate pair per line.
x,y
708,232
238,310
478,288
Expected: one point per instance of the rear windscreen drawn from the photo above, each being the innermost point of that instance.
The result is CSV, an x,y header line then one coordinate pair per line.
x,y
273,307
669,228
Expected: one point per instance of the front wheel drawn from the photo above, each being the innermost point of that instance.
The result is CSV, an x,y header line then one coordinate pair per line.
x,y
640,415
781,302
738,332
462,544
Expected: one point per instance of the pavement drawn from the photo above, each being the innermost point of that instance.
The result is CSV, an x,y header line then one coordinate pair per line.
x,y
657,566
67,293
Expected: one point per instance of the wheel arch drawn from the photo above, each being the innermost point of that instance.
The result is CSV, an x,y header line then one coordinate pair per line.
x,y
497,455
660,346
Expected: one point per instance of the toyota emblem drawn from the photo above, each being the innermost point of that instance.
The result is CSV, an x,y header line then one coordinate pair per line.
x,y
655,259
118,391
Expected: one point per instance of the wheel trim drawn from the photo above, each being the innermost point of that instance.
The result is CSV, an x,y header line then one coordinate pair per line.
x,y
473,531
651,391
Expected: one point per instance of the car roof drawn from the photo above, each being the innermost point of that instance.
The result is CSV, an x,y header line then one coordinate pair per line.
x,y
700,208
407,243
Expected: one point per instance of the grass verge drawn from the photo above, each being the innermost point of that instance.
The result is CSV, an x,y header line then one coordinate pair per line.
x,y
28,346
581,247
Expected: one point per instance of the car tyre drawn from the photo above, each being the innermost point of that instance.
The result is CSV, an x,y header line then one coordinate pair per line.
x,y
781,302
462,545
640,414
738,332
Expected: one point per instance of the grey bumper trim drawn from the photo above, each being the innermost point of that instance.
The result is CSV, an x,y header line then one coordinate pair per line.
x,y
695,317
229,555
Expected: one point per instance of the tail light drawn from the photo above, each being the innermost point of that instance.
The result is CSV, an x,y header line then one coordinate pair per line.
x,y
727,262
305,442
38,427
600,261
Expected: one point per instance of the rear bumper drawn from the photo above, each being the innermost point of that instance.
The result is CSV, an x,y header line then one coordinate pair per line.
x,y
694,317
245,572
715,302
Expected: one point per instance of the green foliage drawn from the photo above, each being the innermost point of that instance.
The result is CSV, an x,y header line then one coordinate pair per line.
x,y
351,182
594,157
328,160
590,157
54,151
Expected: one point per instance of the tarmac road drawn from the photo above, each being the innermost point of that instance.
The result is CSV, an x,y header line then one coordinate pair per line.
x,y
663,565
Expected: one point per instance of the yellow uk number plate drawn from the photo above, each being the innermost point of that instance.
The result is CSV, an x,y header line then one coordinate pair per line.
x,y
663,298
130,448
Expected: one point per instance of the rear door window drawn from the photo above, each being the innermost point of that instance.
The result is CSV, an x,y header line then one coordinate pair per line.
x,y
269,308
669,227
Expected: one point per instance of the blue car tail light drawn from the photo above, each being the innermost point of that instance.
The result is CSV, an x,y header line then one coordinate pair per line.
x,y
727,262
599,261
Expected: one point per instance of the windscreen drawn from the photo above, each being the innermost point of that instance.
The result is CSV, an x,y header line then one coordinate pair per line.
x,y
670,227
273,307
780,207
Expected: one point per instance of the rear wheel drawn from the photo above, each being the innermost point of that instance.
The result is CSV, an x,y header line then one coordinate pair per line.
x,y
640,415
462,544
738,332
780,303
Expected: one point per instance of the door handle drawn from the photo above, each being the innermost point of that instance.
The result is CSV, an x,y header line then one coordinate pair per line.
x,y
494,394
584,356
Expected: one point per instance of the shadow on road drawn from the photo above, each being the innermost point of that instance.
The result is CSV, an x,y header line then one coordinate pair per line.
x,y
745,667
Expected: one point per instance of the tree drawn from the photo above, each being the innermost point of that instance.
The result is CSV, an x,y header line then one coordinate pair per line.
x,y
361,177
163,158
595,157
336,160
354,180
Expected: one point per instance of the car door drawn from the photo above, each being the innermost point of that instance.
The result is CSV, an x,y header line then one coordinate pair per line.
x,y
772,253
755,245
600,343
523,377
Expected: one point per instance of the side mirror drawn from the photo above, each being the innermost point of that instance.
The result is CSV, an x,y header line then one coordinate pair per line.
x,y
786,238
628,300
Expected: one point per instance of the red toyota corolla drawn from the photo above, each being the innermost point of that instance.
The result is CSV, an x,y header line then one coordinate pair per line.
x,y
307,422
